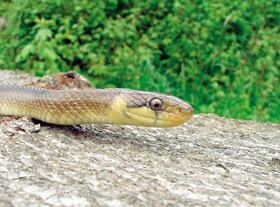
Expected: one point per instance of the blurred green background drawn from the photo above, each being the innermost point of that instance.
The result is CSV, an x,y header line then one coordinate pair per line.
x,y
221,56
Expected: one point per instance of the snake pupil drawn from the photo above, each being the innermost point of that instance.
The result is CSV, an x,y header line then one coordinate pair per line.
x,y
156,104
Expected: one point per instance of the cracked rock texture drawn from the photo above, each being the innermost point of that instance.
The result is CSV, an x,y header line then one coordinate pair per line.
x,y
209,161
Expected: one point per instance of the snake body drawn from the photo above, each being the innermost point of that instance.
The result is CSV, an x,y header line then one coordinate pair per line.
x,y
100,106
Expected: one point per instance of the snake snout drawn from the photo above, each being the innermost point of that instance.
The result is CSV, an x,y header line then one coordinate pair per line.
x,y
189,112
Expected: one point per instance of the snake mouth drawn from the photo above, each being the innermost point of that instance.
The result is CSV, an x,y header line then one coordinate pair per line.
x,y
144,116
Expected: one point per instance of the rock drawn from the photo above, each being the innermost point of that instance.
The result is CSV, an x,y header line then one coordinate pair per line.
x,y
67,80
209,161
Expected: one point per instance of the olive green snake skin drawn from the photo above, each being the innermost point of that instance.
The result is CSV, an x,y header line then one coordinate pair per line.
x,y
97,106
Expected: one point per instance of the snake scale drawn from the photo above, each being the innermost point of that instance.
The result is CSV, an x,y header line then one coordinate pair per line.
x,y
97,106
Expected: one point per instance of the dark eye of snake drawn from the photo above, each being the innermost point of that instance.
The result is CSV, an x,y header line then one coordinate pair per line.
x,y
156,104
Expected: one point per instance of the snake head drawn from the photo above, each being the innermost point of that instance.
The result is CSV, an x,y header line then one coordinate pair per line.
x,y
155,109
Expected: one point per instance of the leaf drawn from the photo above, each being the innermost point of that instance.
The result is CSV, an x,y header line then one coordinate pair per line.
x,y
43,34
25,53
47,53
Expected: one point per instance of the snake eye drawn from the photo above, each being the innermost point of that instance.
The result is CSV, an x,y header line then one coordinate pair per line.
x,y
156,104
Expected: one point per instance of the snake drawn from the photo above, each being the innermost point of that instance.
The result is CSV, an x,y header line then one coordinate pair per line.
x,y
95,106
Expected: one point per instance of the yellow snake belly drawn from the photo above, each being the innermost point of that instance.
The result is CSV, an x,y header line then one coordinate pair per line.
x,y
97,106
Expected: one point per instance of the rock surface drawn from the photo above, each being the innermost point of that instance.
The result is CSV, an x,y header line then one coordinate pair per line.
x,y
209,161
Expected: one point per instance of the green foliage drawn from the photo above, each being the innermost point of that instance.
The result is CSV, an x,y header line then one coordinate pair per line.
x,y
222,56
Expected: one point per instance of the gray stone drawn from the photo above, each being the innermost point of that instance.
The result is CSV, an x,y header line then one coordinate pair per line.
x,y
209,161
